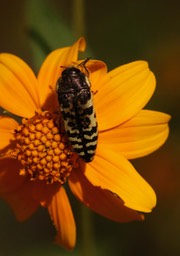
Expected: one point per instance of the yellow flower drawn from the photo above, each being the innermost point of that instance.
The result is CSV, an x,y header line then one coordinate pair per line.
x,y
36,159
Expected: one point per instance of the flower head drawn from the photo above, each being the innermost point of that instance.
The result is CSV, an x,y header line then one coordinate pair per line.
x,y
37,159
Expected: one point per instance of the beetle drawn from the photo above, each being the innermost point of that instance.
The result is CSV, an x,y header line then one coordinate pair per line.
x,y
77,109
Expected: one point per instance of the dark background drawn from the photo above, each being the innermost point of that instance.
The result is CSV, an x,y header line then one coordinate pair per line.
x,y
117,32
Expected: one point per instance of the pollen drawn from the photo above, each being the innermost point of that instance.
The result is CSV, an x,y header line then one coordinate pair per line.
x,y
42,150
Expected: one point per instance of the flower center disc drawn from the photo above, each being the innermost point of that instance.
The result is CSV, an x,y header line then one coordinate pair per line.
x,y
42,150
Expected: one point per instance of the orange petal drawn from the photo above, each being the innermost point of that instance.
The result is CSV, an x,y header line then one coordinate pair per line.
x,y
43,192
7,126
51,70
101,201
139,136
19,93
15,189
125,92
62,216
10,179
113,172
21,201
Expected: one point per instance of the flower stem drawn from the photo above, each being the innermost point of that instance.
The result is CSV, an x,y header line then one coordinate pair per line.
x,y
78,17
88,241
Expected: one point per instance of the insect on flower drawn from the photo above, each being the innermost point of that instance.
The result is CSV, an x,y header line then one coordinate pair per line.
x,y
76,104
37,162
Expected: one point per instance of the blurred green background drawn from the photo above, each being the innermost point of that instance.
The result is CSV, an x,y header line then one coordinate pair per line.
x,y
117,32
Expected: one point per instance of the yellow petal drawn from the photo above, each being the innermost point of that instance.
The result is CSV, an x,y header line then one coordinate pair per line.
x,y
51,70
18,85
62,216
7,126
99,200
139,136
125,92
97,70
113,172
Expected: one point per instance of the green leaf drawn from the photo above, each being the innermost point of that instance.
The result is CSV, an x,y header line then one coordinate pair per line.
x,y
46,30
